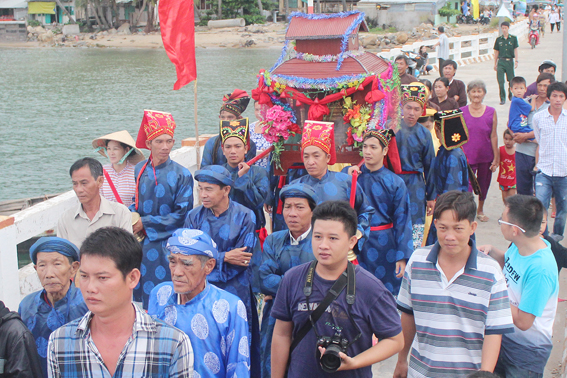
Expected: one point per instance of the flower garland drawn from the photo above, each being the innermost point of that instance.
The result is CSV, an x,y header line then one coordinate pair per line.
x,y
278,124
325,58
328,84
358,116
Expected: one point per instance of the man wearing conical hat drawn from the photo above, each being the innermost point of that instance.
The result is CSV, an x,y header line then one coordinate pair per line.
x,y
119,184
233,105
164,195
251,183
390,244
416,153
318,149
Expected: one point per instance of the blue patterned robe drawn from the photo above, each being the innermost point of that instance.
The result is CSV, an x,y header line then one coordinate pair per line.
x,y
216,324
335,186
208,153
273,199
278,257
235,228
389,197
163,209
42,319
251,191
416,153
448,172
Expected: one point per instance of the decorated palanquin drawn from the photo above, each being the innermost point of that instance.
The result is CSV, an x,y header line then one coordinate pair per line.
x,y
323,74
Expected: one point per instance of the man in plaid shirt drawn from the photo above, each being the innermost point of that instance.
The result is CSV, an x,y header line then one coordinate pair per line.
x,y
115,338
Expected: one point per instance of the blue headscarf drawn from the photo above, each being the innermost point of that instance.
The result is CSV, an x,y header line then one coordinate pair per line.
x,y
54,244
192,242
299,191
214,174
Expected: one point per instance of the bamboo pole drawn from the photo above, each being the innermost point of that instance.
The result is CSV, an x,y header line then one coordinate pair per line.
x,y
197,144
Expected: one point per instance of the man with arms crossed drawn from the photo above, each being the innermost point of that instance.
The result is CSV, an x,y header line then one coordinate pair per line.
x,y
453,300
115,338
372,313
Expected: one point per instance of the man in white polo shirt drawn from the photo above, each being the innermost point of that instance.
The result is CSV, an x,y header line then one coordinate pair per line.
x,y
453,300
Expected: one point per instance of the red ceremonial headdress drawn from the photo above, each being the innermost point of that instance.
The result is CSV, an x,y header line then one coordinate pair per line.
x,y
153,125
235,102
322,135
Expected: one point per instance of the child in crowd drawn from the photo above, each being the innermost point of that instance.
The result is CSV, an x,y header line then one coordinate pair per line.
x,y
519,108
428,120
507,172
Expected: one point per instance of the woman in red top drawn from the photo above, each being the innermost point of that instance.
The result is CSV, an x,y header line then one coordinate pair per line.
x,y
507,172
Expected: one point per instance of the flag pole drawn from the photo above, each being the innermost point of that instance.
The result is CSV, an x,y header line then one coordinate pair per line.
x,y
197,144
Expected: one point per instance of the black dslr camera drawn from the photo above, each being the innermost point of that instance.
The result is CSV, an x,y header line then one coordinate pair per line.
x,y
330,360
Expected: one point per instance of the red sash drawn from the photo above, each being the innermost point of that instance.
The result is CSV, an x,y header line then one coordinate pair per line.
x,y
112,187
409,172
382,227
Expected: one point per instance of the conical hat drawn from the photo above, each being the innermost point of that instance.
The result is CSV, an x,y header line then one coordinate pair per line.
x,y
122,137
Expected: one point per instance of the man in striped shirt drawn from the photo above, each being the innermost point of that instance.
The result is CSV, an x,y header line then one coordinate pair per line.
x,y
116,338
453,299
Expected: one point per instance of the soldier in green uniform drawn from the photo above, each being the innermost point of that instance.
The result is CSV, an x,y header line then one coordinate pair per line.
x,y
505,52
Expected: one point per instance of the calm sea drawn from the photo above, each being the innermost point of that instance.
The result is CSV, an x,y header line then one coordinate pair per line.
x,y
54,102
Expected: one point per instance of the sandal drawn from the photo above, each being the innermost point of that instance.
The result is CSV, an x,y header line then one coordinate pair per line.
x,y
482,217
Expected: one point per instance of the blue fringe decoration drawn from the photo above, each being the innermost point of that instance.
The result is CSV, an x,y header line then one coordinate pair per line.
x,y
322,16
346,36
326,83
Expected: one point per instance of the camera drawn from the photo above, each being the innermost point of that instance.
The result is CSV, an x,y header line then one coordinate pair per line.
x,y
331,361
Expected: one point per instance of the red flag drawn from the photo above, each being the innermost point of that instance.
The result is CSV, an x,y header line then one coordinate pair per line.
x,y
177,23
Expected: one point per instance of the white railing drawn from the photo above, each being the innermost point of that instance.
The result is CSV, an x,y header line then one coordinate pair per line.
x,y
465,47
37,219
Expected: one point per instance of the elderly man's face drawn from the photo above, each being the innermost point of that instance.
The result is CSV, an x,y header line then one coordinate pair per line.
x,y
297,215
315,160
84,184
55,273
189,274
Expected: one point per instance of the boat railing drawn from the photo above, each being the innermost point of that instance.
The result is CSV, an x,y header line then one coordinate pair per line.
x,y
16,283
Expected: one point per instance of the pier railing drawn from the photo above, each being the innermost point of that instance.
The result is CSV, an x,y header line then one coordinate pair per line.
x,y
16,283
467,49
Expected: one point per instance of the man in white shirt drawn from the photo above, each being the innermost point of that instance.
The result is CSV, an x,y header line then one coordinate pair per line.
x,y
443,43
550,130
94,211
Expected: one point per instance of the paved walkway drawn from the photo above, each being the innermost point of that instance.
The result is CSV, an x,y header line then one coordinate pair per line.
x,y
489,232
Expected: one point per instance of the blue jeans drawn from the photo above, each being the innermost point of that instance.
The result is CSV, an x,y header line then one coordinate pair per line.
x,y
506,369
524,177
548,186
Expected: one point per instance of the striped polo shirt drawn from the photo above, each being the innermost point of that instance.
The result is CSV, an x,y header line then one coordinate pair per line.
x,y
124,182
452,316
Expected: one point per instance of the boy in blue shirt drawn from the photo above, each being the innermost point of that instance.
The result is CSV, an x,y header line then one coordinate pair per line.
x,y
519,108
533,286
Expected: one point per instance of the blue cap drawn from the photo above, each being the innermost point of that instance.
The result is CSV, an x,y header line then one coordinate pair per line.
x,y
299,191
54,244
188,242
214,174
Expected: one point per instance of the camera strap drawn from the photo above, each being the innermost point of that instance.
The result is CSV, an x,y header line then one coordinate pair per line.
x,y
348,276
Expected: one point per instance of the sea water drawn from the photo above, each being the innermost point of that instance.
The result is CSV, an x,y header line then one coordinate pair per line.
x,y
55,101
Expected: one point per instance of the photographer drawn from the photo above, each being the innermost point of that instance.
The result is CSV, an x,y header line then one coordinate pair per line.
x,y
339,335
